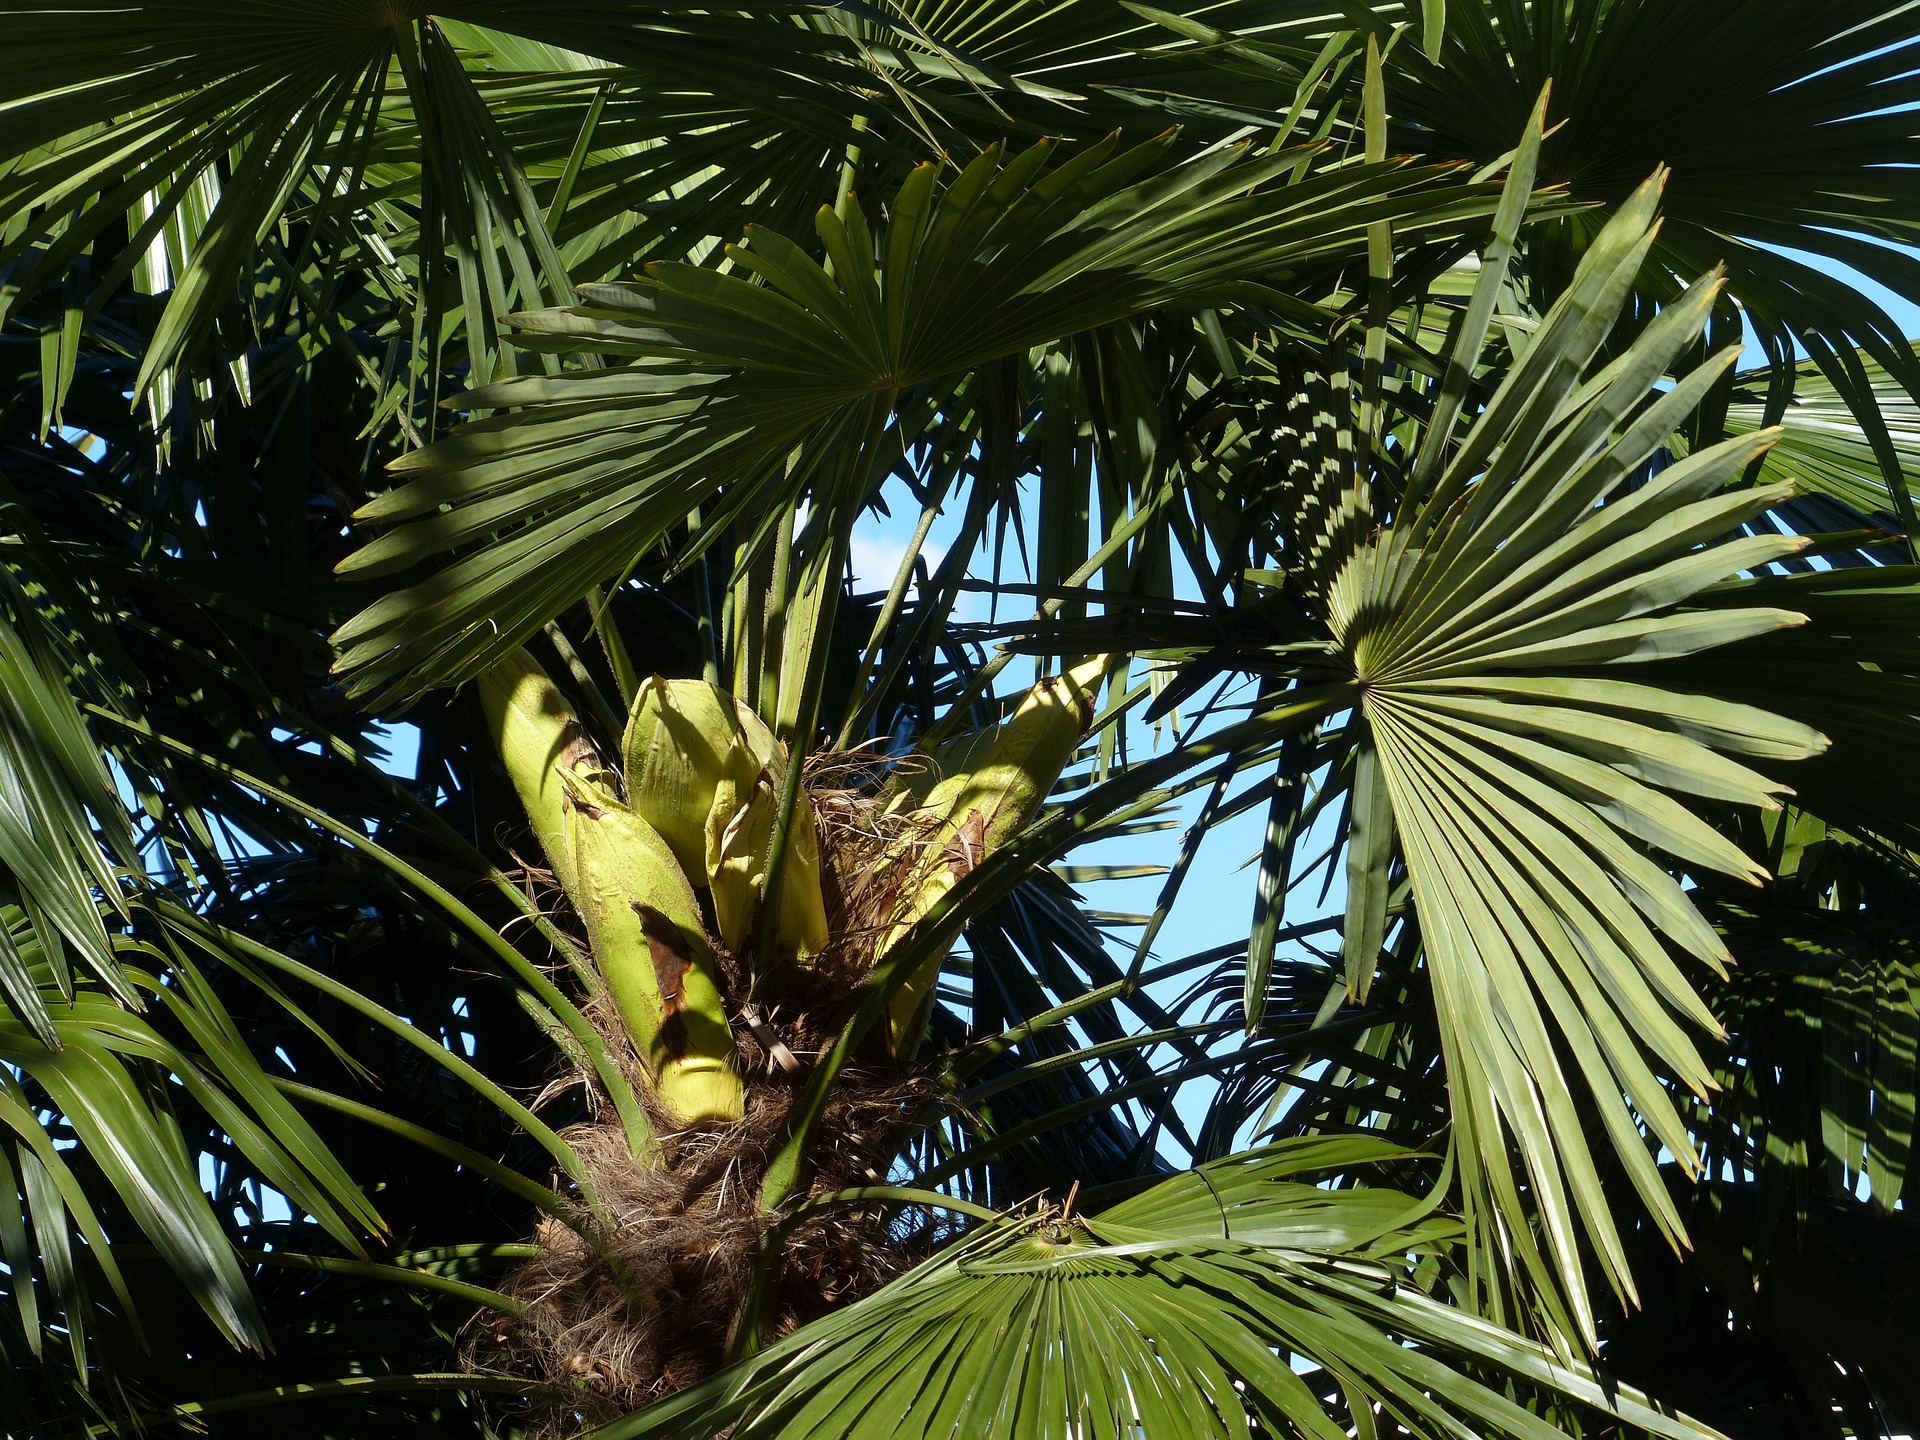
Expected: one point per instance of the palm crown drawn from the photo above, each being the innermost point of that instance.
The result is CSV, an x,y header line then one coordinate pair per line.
x,y
1344,418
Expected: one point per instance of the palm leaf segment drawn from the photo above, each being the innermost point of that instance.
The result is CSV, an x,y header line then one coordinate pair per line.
x,y
1816,97
364,124
1824,1015
734,373
1530,784
54,789
1173,1314
111,1075
1823,447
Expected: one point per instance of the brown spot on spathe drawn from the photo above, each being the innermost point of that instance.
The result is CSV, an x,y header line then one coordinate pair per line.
x,y
578,753
671,961
1082,702
965,850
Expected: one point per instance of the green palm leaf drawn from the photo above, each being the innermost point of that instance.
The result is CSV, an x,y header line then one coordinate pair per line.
x,y
1852,671
1811,95
174,145
206,82
55,789
1173,1314
1824,1015
212,156
1822,444
732,375
1782,122
1523,654
102,1074
1531,784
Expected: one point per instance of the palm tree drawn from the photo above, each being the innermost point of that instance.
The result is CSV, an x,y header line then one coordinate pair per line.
x,y
509,930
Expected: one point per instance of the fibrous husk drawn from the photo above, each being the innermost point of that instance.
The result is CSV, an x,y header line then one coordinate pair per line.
x,y
643,1307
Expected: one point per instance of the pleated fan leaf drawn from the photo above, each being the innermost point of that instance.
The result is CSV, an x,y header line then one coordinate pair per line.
x,y
1545,804
1822,445
1173,1316
730,374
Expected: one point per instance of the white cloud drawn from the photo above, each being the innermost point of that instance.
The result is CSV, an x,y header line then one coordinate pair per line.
x,y
876,559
